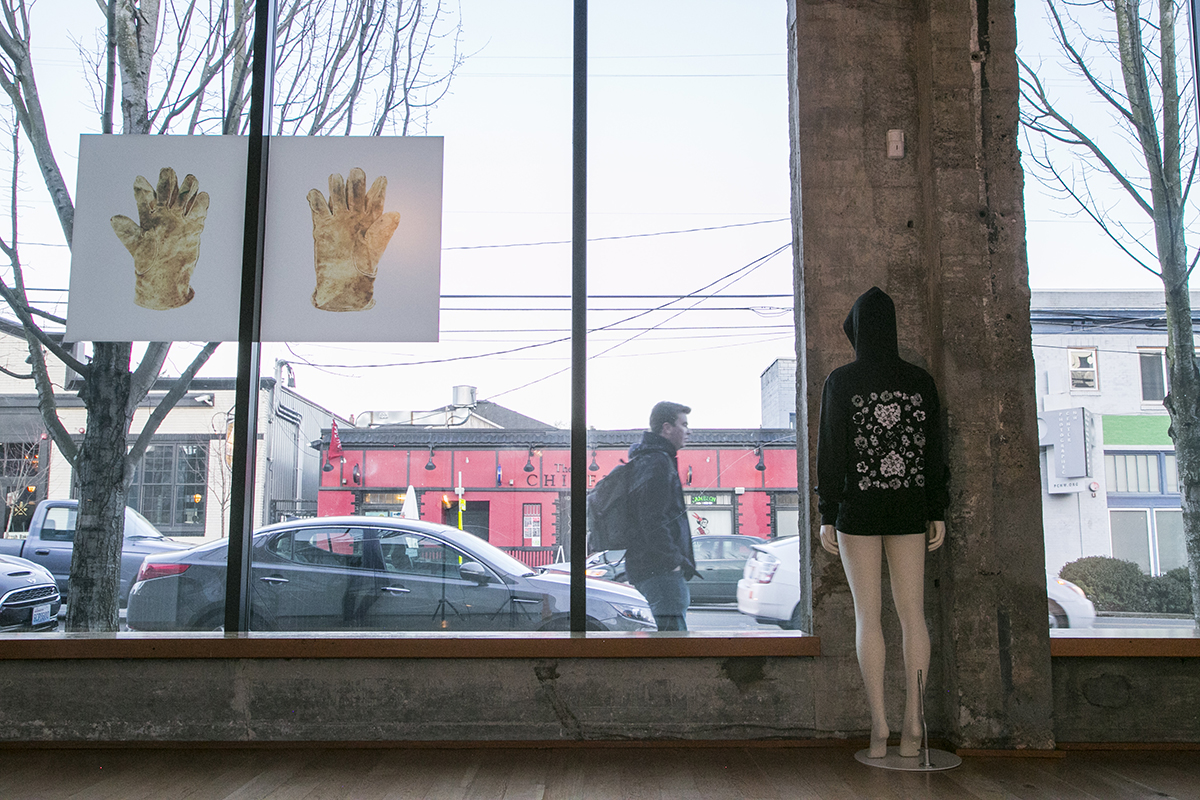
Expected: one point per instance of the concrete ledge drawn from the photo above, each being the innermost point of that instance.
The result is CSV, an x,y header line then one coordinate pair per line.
x,y
392,645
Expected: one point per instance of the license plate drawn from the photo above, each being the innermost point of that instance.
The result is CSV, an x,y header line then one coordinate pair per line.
x,y
41,615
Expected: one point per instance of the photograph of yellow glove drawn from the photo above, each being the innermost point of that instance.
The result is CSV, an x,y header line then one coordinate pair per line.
x,y
350,233
165,242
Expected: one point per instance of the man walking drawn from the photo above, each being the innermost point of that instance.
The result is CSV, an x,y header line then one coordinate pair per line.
x,y
659,559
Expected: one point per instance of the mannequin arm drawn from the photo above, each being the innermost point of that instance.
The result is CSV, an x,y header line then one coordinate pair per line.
x,y
829,538
937,534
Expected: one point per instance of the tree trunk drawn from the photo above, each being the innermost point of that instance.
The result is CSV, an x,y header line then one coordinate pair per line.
x,y
1183,404
99,533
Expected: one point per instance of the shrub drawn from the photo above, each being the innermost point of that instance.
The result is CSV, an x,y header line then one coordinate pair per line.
x,y
1115,585
1173,591
1110,583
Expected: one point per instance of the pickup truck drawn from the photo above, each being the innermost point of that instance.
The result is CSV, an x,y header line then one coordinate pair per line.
x,y
52,532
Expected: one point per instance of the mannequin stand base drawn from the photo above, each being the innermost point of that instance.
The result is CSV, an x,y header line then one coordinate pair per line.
x,y
927,761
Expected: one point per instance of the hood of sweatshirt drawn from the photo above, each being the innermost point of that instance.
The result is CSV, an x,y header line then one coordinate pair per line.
x,y
871,327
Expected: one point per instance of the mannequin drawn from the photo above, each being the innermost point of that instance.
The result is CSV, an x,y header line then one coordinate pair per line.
x,y
882,485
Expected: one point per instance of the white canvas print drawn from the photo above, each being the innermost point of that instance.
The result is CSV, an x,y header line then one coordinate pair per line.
x,y
157,245
353,247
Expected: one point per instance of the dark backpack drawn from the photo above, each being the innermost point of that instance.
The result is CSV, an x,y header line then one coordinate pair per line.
x,y
609,512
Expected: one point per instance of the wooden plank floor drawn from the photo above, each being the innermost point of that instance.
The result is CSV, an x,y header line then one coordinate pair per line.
x,y
602,773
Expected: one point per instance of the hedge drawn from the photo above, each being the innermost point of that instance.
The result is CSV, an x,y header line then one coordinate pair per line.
x,y
1115,585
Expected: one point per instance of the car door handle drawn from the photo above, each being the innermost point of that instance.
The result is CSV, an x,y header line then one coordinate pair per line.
x,y
395,590
41,552
273,579
527,601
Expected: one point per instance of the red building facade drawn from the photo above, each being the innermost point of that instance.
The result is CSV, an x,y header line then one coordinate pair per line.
x,y
515,484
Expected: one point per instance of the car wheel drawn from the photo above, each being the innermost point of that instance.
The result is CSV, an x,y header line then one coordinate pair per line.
x,y
793,624
1058,617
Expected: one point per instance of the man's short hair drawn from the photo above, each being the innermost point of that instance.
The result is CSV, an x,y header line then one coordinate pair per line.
x,y
666,411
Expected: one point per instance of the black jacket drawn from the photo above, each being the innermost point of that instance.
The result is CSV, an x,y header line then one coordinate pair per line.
x,y
663,540
880,457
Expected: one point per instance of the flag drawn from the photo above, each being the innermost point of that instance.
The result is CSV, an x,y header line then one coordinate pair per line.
x,y
335,442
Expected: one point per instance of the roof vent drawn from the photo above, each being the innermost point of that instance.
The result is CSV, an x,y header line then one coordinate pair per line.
x,y
464,395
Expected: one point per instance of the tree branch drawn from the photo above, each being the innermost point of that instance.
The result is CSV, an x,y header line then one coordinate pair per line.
x,y
147,372
164,407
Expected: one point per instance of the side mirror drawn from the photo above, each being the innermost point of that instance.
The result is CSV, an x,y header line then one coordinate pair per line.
x,y
475,572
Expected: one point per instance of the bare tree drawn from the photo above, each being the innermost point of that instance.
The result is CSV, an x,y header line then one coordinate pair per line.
x,y
1133,70
183,67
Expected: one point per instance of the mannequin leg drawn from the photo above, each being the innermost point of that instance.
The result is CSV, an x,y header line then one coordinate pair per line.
x,y
906,565
862,560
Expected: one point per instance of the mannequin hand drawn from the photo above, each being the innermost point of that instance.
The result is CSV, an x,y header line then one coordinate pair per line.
x,y
936,534
165,241
829,538
350,233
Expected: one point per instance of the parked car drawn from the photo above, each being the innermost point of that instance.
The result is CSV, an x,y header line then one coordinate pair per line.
x,y
1069,606
51,538
29,599
769,589
372,573
607,564
719,562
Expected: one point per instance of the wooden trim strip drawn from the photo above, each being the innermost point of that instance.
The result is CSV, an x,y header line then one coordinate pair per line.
x,y
391,645
1130,647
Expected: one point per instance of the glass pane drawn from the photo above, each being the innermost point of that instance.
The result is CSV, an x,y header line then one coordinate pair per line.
x,y
1172,552
1133,473
1131,537
1153,383
702,316
1172,474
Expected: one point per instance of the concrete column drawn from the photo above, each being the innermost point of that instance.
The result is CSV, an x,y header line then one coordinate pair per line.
x,y
941,229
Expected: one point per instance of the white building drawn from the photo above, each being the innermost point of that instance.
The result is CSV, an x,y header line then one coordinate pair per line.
x,y
183,484
777,386
1108,464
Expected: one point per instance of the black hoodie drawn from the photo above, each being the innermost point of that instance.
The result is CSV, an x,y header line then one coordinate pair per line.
x,y
880,462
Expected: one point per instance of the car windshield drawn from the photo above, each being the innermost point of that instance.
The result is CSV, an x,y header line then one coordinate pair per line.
x,y
138,527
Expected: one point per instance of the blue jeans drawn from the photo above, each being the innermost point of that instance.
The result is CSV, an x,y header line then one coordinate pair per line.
x,y
669,597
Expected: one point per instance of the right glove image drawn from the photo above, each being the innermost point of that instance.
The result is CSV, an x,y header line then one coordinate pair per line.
x,y
165,242
350,233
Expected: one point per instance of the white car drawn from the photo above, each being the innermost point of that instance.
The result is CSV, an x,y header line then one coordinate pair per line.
x,y
1069,606
769,589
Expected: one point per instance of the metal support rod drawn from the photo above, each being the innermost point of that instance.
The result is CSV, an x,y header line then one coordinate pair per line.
x,y
924,727
245,419
579,473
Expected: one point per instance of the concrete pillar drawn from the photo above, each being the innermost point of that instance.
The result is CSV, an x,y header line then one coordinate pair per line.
x,y
941,229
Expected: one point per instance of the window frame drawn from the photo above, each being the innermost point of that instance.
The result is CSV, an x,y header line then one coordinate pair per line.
x,y
1072,351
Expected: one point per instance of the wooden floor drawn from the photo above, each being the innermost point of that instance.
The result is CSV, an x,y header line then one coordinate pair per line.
x,y
736,773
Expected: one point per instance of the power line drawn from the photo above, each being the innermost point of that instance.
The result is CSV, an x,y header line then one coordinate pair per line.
x,y
736,275
623,236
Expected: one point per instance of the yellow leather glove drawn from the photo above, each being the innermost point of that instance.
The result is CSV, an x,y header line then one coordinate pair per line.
x,y
165,242
350,233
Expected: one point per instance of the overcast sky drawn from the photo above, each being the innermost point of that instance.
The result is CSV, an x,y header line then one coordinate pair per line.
x,y
688,131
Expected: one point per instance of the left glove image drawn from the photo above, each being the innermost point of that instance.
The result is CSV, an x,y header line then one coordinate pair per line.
x,y
165,241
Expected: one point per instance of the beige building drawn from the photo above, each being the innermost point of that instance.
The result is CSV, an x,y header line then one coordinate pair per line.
x,y
183,483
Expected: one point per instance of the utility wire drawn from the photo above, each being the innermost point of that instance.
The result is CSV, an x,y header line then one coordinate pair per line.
x,y
623,236
737,274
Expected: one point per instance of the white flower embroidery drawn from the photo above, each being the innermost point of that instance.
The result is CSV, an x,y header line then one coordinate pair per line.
x,y
889,415
892,464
